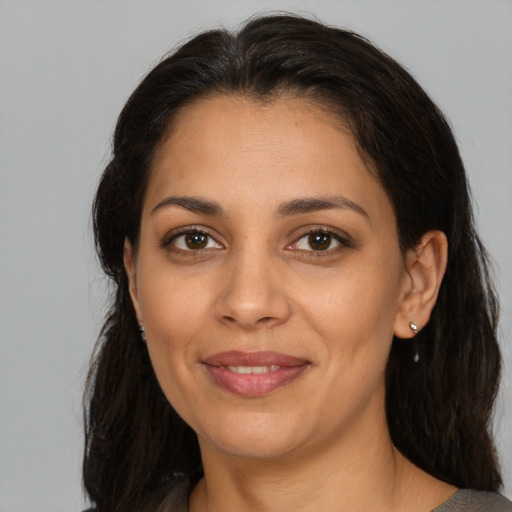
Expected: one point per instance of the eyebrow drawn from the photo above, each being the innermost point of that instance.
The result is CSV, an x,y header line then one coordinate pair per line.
x,y
193,204
313,204
287,209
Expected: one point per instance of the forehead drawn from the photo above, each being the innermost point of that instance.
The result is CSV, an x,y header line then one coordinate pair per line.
x,y
221,116
240,149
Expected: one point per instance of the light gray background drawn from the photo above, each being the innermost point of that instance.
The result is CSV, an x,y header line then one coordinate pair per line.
x,y
66,68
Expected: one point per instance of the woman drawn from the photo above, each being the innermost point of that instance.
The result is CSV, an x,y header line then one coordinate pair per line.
x,y
303,317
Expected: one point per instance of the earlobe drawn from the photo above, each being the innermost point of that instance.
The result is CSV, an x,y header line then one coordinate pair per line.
x,y
426,266
129,265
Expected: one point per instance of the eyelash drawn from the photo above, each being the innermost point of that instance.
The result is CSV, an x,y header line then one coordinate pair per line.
x,y
344,242
167,242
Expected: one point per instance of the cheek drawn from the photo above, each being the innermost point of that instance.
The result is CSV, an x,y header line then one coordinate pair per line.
x,y
360,303
353,315
174,312
171,304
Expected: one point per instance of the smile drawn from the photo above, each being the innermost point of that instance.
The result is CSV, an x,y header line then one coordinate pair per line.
x,y
253,374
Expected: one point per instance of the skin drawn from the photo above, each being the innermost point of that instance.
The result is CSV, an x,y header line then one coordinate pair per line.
x,y
258,283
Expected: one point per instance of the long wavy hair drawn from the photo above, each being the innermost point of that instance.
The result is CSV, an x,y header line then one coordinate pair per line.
x,y
439,410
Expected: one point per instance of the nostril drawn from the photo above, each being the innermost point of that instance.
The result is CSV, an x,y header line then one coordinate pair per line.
x,y
249,306
263,320
250,323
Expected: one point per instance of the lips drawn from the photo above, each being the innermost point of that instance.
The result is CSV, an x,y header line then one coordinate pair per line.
x,y
252,374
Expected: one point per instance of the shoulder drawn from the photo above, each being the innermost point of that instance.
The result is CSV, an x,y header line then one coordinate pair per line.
x,y
176,499
468,500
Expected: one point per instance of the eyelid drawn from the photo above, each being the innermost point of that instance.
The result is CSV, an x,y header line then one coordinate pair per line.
x,y
176,233
341,237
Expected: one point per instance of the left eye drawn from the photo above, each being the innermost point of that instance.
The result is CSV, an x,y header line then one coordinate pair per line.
x,y
318,241
194,241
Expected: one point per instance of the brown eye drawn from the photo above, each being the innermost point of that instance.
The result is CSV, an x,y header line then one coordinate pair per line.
x,y
193,241
319,241
196,240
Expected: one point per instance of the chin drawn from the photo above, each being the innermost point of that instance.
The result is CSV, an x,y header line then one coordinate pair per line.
x,y
254,438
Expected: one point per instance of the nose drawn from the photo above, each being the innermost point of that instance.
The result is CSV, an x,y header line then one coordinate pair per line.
x,y
253,294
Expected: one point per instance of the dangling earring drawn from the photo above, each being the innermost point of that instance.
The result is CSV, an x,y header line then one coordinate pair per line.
x,y
415,330
142,333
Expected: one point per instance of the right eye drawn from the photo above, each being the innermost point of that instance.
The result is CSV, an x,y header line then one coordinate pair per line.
x,y
193,240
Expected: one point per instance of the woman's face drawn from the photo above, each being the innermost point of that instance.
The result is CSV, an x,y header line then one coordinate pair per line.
x,y
268,277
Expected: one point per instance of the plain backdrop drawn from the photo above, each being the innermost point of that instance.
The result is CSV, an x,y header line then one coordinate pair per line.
x,y
66,68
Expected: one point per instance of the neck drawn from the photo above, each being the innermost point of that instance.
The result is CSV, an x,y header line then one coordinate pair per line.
x,y
340,475
358,469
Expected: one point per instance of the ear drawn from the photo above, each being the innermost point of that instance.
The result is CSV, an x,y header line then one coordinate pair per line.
x,y
130,267
426,265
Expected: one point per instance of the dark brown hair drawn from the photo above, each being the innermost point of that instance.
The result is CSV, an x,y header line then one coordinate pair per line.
x,y
439,410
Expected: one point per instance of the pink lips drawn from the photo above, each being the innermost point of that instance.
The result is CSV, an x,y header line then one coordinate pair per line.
x,y
253,374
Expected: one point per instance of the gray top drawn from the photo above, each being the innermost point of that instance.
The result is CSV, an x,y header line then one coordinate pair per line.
x,y
177,499
465,500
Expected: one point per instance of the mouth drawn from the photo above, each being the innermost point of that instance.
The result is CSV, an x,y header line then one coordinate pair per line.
x,y
252,374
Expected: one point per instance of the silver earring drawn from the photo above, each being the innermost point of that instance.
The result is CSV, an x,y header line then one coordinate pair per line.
x,y
142,333
415,330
